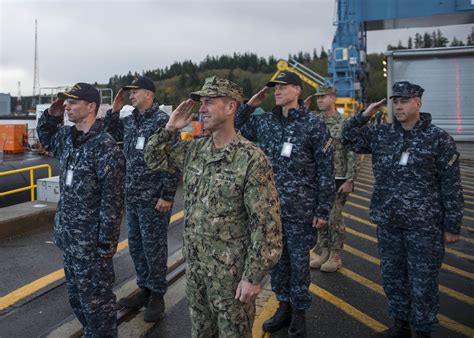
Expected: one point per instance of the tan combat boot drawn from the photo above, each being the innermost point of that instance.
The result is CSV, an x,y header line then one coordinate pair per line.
x,y
318,260
333,263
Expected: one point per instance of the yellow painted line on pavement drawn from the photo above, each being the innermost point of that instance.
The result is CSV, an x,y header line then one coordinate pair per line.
x,y
363,207
448,250
468,217
357,182
443,289
40,283
347,308
363,190
445,321
444,266
360,197
269,308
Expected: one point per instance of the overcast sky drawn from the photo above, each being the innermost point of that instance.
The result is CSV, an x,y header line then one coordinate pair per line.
x,y
91,41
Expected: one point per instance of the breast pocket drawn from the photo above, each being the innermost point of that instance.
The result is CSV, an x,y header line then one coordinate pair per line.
x,y
225,194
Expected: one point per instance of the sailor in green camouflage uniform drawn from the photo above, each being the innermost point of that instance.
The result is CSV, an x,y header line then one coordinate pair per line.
x,y
232,234
331,237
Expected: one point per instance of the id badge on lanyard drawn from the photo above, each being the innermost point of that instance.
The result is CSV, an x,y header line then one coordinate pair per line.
x,y
140,143
287,149
404,158
69,176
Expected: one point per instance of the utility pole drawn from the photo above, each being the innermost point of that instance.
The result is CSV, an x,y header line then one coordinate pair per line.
x,y
36,80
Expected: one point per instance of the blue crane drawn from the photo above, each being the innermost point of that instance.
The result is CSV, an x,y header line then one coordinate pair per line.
x,y
347,62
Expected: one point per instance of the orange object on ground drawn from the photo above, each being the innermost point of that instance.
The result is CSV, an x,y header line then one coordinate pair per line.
x,y
13,138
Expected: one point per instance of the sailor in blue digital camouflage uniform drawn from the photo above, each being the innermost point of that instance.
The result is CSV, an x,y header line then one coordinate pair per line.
x,y
89,212
300,149
149,196
417,204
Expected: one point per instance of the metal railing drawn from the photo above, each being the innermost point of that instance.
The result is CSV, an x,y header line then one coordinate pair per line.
x,y
32,185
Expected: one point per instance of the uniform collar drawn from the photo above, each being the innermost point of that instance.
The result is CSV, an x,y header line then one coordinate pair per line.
x,y
423,123
227,153
79,137
148,112
293,114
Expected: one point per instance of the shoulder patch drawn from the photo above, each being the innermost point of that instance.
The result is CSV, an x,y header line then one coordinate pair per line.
x,y
327,145
453,159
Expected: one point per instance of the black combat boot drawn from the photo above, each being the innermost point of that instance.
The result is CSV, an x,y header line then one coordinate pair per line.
x,y
422,334
135,300
155,309
280,319
400,329
297,327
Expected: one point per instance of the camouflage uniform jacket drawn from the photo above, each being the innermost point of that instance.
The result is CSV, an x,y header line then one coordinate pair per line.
x,y
232,212
427,190
305,180
89,211
345,161
142,185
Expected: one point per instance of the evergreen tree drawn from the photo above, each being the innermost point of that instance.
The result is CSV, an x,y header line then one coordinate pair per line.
x,y
315,54
323,54
247,87
456,42
427,41
418,41
441,40
470,38
410,43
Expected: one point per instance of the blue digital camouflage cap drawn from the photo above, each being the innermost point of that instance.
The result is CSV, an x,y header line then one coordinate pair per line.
x,y
406,89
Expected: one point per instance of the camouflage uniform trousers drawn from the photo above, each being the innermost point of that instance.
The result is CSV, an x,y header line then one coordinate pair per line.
x,y
213,309
333,235
410,263
148,244
290,277
90,282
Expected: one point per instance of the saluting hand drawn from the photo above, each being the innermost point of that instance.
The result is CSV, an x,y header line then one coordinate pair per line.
x,y
181,116
307,101
57,108
373,108
247,292
119,101
258,98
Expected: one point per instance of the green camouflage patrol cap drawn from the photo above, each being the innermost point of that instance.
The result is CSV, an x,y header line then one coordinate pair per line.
x,y
325,90
217,87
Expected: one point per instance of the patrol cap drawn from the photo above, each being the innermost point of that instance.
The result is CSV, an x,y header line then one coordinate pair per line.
x,y
406,89
215,86
285,78
81,91
141,82
325,90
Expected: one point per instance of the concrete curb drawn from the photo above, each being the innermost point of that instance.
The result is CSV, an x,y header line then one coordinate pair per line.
x,y
26,217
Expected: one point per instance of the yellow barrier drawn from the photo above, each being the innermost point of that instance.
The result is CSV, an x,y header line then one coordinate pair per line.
x,y
32,185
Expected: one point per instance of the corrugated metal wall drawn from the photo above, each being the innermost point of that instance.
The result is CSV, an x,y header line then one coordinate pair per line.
x,y
447,75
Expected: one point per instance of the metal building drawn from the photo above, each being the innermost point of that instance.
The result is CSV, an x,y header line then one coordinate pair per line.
x,y
5,104
447,75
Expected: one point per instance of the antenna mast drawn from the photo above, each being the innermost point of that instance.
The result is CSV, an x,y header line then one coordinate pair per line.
x,y
36,80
